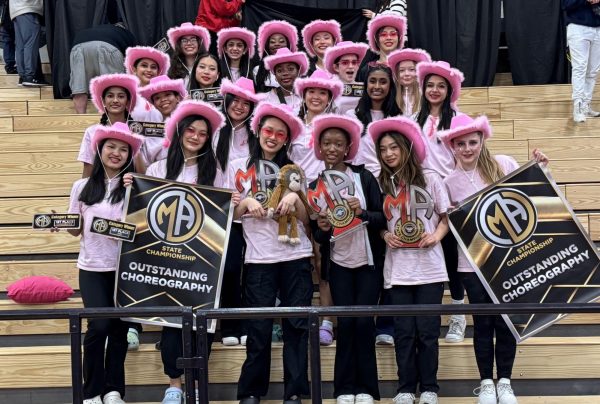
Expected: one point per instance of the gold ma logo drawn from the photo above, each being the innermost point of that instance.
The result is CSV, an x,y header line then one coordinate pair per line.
x,y
506,217
175,215
100,225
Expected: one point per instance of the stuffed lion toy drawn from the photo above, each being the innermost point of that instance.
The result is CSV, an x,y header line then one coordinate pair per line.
x,y
290,179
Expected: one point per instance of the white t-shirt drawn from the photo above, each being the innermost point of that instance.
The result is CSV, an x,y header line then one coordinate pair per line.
x,y
366,151
238,143
302,153
292,100
271,81
439,156
189,174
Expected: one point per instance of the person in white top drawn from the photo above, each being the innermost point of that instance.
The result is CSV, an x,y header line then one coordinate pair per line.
x,y
440,88
414,206
476,168
403,63
317,37
187,41
353,263
274,268
287,67
235,47
102,195
272,35
206,72
190,159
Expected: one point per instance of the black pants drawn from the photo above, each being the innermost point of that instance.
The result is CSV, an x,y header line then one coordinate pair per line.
x,y
355,361
450,247
103,369
293,280
231,292
171,348
416,338
484,328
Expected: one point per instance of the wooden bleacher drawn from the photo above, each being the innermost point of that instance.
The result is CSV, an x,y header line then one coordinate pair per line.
x,y
41,138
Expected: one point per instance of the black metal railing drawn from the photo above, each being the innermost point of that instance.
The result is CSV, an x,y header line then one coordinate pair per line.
x,y
195,365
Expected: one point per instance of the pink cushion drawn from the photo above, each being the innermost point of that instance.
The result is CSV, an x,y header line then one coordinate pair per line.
x,y
39,289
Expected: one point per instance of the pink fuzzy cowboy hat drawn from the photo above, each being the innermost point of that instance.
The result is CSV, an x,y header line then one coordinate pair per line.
x,y
406,127
348,124
277,27
386,20
193,107
101,83
319,79
119,131
284,55
463,124
280,111
243,88
247,36
187,28
159,84
443,69
331,26
136,53
400,55
341,49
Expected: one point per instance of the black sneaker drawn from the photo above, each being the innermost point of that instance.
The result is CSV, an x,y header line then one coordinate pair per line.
x,y
11,69
20,81
35,83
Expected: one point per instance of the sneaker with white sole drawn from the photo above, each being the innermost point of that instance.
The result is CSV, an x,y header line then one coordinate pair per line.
x,y
404,398
230,341
345,399
93,400
589,112
363,398
505,392
384,339
133,340
428,397
456,328
243,340
113,397
173,395
578,112
486,392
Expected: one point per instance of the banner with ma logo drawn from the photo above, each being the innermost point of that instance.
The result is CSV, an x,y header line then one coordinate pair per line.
x,y
179,250
527,246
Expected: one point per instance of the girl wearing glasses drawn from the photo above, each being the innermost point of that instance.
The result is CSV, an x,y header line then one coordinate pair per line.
x,y
403,63
317,37
272,268
235,47
272,35
187,42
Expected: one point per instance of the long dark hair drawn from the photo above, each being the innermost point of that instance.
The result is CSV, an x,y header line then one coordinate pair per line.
x,y
104,118
194,85
262,73
207,163
281,158
411,173
447,110
246,65
178,69
389,106
95,188
222,149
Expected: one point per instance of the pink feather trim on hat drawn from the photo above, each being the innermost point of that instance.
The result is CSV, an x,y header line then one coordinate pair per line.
x,y
243,34
159,84
319,79
281,111
119,131
403,125
331,26
346,123
284,55
382,20
187,28
341,49
276,27
443,69
100,83
463,124
243,88
400,55
135,53
193,107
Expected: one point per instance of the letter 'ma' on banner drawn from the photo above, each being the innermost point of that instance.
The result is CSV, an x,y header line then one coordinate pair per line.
x,y
527,246
179,250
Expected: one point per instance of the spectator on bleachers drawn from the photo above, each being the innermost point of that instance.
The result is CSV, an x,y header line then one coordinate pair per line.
x,y
272,35
317,37
206,72
235,47
215,15
395,6
583,37
187,41
7,39
95,51
27,17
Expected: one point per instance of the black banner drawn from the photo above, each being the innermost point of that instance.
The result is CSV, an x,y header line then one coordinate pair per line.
x,y
527,246
178,254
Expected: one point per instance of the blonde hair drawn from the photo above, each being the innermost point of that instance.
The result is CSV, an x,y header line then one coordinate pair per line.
x,y
488,167
411,173
415,93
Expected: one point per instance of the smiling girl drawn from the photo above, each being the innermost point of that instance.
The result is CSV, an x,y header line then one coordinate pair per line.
x,y
187,41
317,37
287,66
272,35
207,72
404,67
235,47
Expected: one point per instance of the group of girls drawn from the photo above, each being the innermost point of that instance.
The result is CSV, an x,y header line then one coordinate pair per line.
x,y
402,136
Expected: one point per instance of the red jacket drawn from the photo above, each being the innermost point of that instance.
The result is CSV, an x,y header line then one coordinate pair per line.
x,y
215,15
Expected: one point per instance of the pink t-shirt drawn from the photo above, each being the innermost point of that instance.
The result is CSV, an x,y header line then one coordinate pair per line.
x,y
462,184
439,156
238,144
302,153
416,266
366,151
96,253
189,174
262,246
144,111
292,100
86,153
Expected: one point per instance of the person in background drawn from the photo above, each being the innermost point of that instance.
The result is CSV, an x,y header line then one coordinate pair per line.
x,y
395,6
235,47
95,51
583,38
215,15
7,39
404,68
317,37
188,41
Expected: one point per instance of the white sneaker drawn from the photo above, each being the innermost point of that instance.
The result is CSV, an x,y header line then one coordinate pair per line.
x,y
505,392
578,112
230,341
404,398
384,339
113,397
456,328
589,112
363,399
428,397
173,395
93,400
486,392
243,340
133,340
345,399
